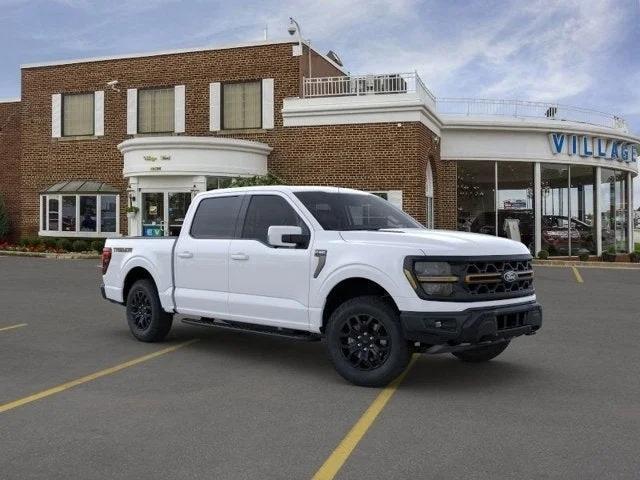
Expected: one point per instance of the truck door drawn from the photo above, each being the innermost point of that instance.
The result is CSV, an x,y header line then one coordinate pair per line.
x,y
202,258
269,285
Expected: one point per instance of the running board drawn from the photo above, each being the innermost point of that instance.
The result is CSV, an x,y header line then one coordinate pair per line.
x,y
253,328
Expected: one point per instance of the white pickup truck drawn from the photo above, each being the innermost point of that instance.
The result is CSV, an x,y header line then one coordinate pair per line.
x,y
332,263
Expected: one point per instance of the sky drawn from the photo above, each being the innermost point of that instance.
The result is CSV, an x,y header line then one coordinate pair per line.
x,y
576,52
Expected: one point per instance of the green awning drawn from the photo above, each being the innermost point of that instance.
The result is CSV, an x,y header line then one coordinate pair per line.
x,y
80,186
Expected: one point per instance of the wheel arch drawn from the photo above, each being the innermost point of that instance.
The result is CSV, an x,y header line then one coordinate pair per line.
x,y
136,273
353,287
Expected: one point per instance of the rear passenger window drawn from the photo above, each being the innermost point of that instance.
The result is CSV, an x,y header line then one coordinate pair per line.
x,y
216,217
265,211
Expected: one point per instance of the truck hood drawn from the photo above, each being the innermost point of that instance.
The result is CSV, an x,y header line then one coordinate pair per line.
x,y
438,242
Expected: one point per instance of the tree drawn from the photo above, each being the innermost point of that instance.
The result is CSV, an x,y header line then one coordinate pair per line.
x,y
4,220
268,179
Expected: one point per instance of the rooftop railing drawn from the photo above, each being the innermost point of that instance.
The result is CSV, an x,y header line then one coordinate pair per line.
x,y
356,85
525,109
398,83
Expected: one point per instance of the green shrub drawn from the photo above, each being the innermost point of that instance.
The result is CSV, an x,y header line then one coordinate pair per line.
x,y
583,255
4,220
268,179
65,244
543,254
97,245
49,242
79,246
24,242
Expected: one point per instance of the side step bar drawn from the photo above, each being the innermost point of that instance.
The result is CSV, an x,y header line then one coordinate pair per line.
x,y
253,328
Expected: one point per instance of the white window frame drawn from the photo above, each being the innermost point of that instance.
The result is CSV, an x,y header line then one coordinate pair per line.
x,y
44,213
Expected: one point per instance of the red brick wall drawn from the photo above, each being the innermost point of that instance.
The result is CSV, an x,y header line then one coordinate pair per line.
x,y
366,156
10,160
46,161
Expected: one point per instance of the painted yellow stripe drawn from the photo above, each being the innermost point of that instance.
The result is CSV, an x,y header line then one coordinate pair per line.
x,y
102,373
11,327
334,463
576,274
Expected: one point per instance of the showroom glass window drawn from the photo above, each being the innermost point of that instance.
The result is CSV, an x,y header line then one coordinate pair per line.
x,y
516,219
554,197
614,210
582,198
477,197
77,114
242,105
156,110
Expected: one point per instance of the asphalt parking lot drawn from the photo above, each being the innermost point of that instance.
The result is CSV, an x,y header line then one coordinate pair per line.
x,y
564,403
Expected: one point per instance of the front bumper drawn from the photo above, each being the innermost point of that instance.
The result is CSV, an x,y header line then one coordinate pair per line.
x,y
472,326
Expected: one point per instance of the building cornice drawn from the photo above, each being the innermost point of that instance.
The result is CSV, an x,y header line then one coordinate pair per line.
x,y
177,51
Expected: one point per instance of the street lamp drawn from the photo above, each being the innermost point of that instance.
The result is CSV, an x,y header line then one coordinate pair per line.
x,y
294,27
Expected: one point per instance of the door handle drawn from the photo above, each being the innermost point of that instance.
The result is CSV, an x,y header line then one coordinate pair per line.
x,y
239,256
185,255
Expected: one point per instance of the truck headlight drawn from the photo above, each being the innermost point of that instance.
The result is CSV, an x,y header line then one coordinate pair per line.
x,y
435,278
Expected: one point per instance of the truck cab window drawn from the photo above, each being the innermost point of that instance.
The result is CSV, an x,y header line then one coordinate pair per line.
x,y
265,211
216,217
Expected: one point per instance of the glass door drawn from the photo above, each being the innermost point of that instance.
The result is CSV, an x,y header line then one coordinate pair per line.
x,y
178,204
163,213
153,224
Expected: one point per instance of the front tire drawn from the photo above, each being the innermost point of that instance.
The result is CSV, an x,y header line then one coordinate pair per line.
x,y
147,320
482,354
365,342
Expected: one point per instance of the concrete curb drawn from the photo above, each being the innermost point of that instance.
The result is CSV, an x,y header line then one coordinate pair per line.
x,y
578,263
57,256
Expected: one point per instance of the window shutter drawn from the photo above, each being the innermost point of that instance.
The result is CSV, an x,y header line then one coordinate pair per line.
x,y
98,113
267,103
179,101
395,197
214,107
132,111
56,115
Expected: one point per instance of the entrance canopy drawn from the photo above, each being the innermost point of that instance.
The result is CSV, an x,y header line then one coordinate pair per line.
x,y
81,186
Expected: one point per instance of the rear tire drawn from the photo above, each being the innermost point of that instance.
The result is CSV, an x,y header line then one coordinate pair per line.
x,y
365,342
482,354
147,320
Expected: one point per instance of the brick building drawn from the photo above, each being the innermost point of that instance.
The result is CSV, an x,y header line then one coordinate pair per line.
x,y
91,137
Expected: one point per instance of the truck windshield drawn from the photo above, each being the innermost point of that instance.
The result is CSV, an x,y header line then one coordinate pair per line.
x,y
353,211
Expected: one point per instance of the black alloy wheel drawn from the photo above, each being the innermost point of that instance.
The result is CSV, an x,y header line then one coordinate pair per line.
x,y
364,341
147,319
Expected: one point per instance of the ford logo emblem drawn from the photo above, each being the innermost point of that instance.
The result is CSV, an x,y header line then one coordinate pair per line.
x,y
509,276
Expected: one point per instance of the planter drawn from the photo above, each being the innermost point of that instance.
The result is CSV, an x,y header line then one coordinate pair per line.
x,y
131,215
616,257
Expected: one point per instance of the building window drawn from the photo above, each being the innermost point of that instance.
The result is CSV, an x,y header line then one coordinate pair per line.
x,y
477,197
156,110
516,202
214,183
242,105
429,217
79,215
78,114
614,210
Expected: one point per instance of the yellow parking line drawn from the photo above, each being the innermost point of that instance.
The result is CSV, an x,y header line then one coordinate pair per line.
x,y
576,274
11,327
102,373
334,463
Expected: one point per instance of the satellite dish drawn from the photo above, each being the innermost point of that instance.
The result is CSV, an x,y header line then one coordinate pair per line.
x,y
334,56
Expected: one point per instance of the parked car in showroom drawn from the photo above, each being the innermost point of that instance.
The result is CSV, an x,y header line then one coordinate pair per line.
x,y
327,263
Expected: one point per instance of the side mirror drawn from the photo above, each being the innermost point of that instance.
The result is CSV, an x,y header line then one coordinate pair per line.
x,y
286,236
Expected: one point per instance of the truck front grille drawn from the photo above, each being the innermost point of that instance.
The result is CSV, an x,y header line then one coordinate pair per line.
x,y
488,278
